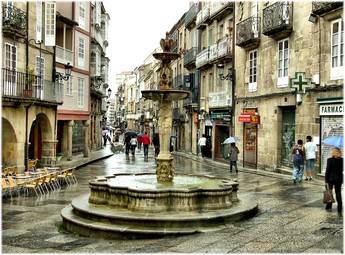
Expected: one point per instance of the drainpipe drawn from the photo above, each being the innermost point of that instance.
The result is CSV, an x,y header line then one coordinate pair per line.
x,y
27,38
233,98
26,145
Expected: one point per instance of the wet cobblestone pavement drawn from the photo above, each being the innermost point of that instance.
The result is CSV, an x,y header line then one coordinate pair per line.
x,y
291,218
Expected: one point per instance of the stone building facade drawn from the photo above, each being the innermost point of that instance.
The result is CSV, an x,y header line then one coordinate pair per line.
x,y
283,68
30,95
73,27
214,60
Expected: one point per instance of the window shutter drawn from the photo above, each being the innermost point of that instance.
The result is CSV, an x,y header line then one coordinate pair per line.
x,y
50,22
39,21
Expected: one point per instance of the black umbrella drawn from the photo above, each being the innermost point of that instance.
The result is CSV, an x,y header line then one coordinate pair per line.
x,y
131,134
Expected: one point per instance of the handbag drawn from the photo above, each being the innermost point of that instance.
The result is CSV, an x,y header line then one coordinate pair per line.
x,y
328,196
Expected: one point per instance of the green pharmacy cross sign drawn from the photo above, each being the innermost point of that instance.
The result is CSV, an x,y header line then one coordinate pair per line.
x,y
300,82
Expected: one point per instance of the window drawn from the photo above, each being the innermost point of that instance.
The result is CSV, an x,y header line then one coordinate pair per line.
x,y
69,86
9,85
283,63
82,14
50,23
81,52
253,71
337,49
10,57
80,92
38,91
220,31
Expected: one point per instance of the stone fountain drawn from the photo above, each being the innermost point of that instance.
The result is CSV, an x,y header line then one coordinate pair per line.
x,y
147,204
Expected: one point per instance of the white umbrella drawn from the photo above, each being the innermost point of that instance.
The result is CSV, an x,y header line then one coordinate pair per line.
x,y
229,140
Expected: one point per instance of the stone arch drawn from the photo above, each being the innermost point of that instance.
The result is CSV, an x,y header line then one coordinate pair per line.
x,y
9,144
41,140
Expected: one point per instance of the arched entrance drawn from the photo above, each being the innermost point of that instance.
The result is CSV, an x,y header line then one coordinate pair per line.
x,y
9,144
40,132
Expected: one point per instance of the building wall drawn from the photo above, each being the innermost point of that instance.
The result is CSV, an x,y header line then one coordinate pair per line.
x,y
304,56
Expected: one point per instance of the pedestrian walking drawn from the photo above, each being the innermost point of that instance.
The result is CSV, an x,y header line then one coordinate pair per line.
x,y
146,142
234,151
127,143
140,141
202,144
310,156
334,178
105,136
155,141
133,145
298,153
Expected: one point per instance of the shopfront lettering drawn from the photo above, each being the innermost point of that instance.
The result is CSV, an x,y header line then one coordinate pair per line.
x,y
332,109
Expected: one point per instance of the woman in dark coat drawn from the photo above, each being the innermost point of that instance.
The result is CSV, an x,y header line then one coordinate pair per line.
x,y
334,177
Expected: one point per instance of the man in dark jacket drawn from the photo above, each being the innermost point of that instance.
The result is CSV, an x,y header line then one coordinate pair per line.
x,y
334,177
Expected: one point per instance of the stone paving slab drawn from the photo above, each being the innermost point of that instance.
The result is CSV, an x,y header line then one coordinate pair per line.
x,y
291,217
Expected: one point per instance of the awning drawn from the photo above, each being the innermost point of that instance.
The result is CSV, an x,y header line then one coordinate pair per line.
x,y
249,118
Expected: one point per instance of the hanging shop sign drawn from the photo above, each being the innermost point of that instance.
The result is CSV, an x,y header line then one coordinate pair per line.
x,y
331,109
220,115
249,118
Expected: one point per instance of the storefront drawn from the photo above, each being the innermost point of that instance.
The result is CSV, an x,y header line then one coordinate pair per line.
x,y
221,126
250,119
331,124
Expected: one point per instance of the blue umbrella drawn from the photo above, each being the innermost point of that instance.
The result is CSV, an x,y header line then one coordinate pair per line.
x,y
336,141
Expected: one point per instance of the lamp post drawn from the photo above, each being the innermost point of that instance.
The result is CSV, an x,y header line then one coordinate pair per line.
x,y
231,76
59,76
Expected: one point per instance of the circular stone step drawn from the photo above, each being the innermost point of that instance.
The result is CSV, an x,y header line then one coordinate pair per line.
x,y
109,222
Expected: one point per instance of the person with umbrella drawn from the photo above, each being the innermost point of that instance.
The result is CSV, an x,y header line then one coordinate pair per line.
x,y
334,178
202,144
234,151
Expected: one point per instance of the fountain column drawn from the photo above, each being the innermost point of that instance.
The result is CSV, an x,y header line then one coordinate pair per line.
x,y
165,169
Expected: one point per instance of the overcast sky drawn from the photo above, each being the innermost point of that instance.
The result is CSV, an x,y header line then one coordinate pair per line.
x,y
135,29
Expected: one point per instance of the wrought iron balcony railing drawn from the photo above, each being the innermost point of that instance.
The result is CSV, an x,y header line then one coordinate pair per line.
x,y
277,20
190,57
248,33
191,15
13,20
321,8
202,58
27,86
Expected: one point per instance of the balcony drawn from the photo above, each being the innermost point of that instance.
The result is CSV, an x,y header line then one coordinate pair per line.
x,y
202,18
178,82
322,8
277,20
224,48
190,57
189,20
13,21
21,87
218,100
213,53
64,55
219,10
248,33
202,58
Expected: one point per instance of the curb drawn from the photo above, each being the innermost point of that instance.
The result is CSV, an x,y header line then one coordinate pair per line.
x,y
243,169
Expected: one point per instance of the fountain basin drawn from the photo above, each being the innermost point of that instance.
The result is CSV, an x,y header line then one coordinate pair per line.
x,y
142,192
165,94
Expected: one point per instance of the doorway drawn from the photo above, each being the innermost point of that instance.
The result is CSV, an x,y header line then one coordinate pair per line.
x,y
250,145
288,135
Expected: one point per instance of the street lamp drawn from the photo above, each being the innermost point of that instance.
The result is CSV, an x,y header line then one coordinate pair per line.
x,y
59,76
229,76
109,92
